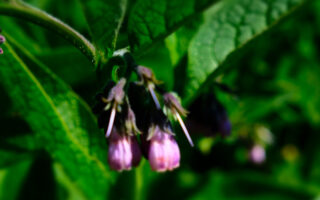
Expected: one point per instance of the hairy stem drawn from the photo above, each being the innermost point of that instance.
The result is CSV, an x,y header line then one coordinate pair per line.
x,y
24,11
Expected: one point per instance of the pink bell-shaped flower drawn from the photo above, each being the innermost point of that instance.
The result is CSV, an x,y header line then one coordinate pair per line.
x,y
124,151
163,151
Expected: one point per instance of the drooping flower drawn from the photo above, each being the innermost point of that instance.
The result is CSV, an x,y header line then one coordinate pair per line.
x,y
162,150
2,39
124,152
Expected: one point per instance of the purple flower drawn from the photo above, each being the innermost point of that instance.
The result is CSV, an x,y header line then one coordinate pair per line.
x,y
2,39
163,151
124,151
257,154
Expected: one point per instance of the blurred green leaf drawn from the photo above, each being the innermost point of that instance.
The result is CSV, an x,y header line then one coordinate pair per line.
x,y
252,185
10,26
67,187
11,157
228,27
62,121
17,148
11,179
151,21
104,18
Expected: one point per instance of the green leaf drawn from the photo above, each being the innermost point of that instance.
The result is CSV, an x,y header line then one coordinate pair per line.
x,y
104,18
151,21
66,186
178,42
62,121
77,73
252,185
11,157
23,10
11,179
14,149
227,28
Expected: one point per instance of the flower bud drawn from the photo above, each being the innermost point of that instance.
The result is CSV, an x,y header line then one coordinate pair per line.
x,y
172,103
163,151
130,123
146,76
1,51
116,93
257,154
148,79
115,99
124,151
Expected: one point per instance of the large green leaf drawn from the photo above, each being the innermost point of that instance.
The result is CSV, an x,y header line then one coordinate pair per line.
x,y
62,122
178,42
151,21
229,26
104,18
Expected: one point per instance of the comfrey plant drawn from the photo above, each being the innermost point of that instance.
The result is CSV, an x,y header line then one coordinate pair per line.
x,y
155,133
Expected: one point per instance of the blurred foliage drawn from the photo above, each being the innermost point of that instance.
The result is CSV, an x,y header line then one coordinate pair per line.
x,y
51,148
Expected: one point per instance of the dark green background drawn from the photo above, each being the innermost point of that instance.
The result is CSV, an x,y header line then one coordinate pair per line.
x,y
276,76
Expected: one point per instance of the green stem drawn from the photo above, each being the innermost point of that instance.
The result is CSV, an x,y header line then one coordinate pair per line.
x,y
24,11
138,182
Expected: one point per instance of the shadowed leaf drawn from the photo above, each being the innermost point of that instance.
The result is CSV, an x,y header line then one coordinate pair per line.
x,y
62,121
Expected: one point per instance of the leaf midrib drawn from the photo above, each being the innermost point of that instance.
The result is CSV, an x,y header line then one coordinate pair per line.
x,y
63,123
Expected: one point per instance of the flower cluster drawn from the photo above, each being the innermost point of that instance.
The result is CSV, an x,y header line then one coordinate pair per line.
x,y
135,125
2,40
